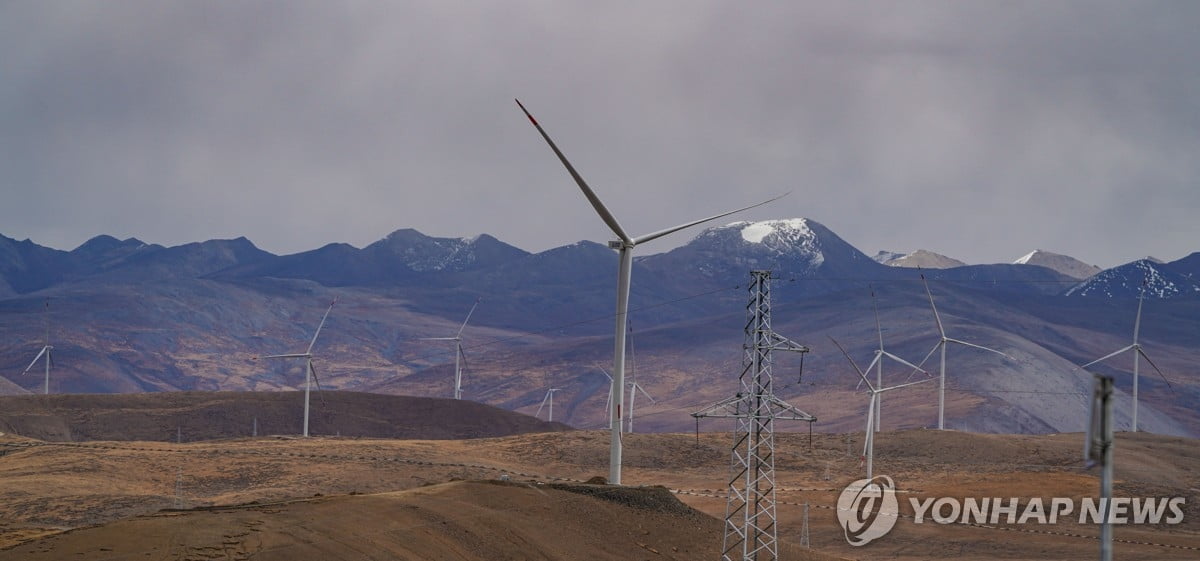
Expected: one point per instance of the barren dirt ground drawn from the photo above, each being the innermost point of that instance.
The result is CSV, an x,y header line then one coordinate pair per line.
x,y
368,498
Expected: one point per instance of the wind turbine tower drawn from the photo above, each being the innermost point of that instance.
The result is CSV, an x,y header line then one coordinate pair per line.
x,y
945,342
750,522
1136,347
624,246
872,409
460,358
877,364
46,350
310,373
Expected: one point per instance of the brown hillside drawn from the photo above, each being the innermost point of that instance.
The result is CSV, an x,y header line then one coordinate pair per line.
x,y
214,415
47,488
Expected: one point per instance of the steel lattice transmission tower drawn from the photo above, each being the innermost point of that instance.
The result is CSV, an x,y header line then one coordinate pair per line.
x,y
750,528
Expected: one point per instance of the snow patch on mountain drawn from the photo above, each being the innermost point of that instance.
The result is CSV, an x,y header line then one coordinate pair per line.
x,y
790,236
1025,260
1134,278
1064,264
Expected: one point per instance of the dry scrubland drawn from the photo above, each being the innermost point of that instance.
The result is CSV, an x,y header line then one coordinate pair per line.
x,y
336,498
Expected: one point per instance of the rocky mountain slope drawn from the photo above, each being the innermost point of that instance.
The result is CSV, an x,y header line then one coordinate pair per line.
x,y
130,317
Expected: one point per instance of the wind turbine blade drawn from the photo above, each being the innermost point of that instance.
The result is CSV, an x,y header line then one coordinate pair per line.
x,y
936,317
852,363
1160,373
661,233
904,362
605,215
298,355
643,390
320,325
906,385
320,393
1137,323
1109,355
874,361
50,356
981,347
464,325
605,372
870,422
35,359
463,354
539,410
438,339
926,359
878,327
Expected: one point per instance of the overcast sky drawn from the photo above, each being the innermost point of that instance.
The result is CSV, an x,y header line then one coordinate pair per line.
x,y
980,130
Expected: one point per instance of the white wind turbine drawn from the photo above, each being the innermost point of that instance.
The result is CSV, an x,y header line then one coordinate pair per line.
x,y
945,342
460,358
310,373
872,407
1137,352
877,364
636,387
549,398
624,246
46,349
608,400
633,387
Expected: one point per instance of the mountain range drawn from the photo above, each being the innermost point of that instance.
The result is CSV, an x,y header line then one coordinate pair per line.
x,y
127,316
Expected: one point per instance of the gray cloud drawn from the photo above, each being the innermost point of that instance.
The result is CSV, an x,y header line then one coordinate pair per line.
x,y
978,130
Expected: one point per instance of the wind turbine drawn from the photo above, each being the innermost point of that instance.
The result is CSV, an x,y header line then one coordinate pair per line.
x,y
877,364
46,348
1137,352
608,400
549,398
635,387
460,358
872,407
310,373
624,246
945,342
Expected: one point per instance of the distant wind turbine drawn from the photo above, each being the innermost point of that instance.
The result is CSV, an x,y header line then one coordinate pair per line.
x,y
460,358
1137,352
636,387
877,364
945,342
633,387
46,349
310,373
549,398
872,408
624,246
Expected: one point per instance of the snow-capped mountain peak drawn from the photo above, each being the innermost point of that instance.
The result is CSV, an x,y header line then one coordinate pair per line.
x,y
1064,264
924,259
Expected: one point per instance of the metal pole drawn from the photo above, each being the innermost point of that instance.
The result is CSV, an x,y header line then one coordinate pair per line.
x,y
457,369
942,391
1106,471
618,378
307,384
1136,352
